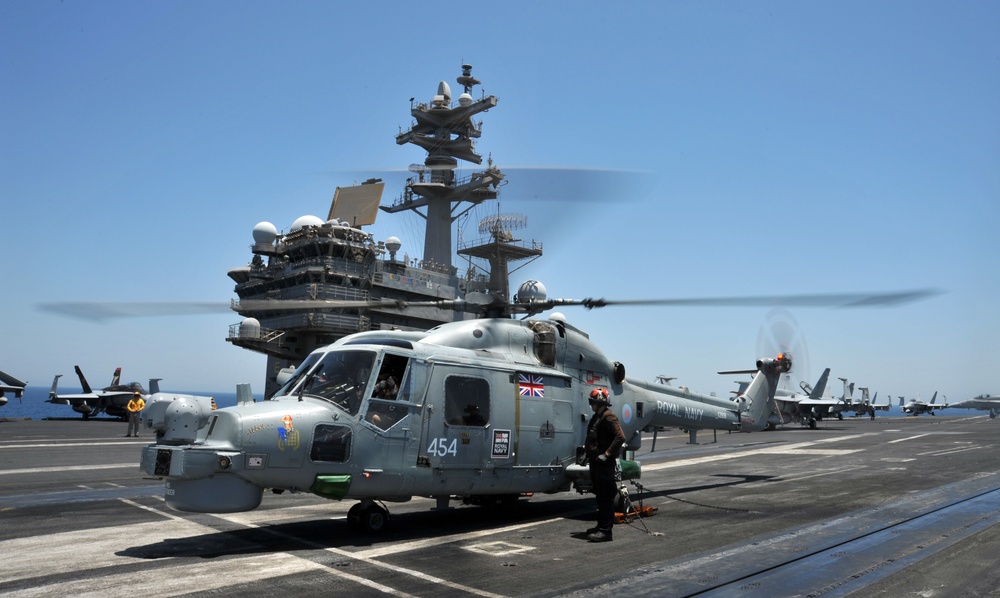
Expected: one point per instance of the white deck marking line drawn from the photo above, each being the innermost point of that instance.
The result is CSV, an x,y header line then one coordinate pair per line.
x,y
779,450
951,451
66,444
907,438
428,542
66,468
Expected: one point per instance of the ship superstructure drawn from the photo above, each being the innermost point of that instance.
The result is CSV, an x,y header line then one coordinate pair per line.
x,y
336,260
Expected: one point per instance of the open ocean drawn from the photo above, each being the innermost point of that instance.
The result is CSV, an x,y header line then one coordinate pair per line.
x,y
33,406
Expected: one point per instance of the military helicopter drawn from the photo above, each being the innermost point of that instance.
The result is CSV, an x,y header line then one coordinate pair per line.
x,y
483,410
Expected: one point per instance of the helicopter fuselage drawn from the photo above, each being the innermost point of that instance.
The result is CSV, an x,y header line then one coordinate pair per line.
x,y
490,407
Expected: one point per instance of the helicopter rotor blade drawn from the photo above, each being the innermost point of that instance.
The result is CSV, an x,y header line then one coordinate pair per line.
x,y
477,303
838,300
105,310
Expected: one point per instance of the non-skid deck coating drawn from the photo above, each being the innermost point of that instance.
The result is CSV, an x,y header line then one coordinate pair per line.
x,y
893,507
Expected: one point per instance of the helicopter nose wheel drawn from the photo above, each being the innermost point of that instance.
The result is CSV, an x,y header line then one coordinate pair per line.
x,y
370,517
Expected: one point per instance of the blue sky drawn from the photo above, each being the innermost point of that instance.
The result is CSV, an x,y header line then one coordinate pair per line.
x,y
782,147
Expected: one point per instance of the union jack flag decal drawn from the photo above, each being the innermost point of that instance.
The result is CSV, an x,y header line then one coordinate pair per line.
x,y
530,385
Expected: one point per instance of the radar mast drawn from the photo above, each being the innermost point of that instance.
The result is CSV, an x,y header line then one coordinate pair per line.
x,y
499,248
447,132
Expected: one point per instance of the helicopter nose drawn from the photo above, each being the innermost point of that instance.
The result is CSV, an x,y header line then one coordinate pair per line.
x,y
176,419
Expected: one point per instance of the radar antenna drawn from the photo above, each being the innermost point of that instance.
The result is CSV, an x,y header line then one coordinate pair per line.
x,y
499,248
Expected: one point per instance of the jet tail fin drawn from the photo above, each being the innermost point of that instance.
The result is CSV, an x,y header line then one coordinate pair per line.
x,y
934,398
820,388
116,378
83,380
154,385
55,385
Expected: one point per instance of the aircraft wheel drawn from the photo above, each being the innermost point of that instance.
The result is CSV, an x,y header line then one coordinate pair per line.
x,y
812,424
373,518
619,503
354,517
840,416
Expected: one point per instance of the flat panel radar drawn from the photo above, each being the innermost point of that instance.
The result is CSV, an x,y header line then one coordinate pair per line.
x,y
357,205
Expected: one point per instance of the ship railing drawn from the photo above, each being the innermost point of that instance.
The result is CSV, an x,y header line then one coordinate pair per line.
x,y
263,335
324,291
336,265
308,234
406,197
417,270
533,245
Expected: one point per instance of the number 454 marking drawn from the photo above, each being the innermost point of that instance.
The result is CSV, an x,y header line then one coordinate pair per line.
x,y
441,447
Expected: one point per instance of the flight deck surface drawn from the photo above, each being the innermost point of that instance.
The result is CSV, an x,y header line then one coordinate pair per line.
x,y
887,507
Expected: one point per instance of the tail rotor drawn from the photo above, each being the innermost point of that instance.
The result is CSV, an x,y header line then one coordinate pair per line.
x,y
779,333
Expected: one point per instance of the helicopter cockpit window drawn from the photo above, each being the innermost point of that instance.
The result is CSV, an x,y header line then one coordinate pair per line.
x,y
392,386
467,401
341,378
297,377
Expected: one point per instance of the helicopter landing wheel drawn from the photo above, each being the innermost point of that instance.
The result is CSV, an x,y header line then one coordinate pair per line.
x,y
370,518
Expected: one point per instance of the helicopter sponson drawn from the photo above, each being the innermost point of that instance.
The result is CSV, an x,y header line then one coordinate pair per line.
x,y
481,410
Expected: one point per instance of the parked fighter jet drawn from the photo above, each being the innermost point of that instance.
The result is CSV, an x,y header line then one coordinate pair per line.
x,y
983,402
867,405
9,383
917,407
808,408
111,399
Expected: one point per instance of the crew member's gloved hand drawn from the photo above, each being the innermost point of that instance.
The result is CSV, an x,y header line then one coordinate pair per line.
x,y
602,458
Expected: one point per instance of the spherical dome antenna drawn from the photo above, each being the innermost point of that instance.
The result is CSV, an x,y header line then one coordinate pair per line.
x,y
530,291
264,233
304,221
465,100
250,328
393,244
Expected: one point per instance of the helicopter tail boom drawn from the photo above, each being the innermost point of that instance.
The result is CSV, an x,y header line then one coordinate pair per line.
x,y
754,403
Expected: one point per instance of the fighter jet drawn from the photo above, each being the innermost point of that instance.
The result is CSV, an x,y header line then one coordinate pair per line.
x,y
916,407
111,399
807,409
983,402
867,405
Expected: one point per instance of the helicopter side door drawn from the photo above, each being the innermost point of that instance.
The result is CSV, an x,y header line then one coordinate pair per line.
x,y
465,427
544,419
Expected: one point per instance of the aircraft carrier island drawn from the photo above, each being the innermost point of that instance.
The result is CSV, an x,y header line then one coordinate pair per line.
x,y
288,293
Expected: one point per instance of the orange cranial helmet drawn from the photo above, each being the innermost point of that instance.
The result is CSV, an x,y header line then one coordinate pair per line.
x,y
599,395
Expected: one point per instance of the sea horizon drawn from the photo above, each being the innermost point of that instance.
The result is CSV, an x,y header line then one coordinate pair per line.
x,y
33,405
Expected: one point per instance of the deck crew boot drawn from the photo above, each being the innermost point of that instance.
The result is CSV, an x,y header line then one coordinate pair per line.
x,y
599,535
